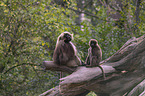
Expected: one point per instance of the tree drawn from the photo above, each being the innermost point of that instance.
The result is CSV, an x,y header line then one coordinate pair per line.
x,y
124,70
29,28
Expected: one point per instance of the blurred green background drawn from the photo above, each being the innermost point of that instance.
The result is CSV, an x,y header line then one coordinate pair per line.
x,y
29,30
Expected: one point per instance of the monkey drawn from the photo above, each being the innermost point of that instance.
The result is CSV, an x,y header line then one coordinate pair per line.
x,y
94,55
65,52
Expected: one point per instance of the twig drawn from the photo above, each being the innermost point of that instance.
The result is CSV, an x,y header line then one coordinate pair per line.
x,y
89,14
32,64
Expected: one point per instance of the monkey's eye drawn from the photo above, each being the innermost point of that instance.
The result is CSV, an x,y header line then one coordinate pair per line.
x,y
92,42
67,37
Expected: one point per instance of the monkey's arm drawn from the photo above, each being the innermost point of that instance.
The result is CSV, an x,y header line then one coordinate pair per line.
x,y
57,52
97,61
56,56
87,62
98,57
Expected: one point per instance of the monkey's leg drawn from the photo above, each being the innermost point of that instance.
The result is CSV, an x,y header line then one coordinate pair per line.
x,y
83,64
102,72
61,74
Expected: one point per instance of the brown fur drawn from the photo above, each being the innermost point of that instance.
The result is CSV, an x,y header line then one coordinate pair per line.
x,y
65,53
94,55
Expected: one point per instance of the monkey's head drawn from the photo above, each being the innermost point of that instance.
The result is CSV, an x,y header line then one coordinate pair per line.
x,y
93,42
66,36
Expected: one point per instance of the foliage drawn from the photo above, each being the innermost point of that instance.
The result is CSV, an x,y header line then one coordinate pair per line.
x,y
91,94
28,31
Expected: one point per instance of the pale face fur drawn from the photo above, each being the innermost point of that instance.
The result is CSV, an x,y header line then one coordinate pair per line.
x,y
61,36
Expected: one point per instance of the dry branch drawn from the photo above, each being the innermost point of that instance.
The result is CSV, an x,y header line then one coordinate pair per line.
x,y
124,70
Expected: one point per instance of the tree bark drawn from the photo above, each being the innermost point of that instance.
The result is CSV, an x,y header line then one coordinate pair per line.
x,y
123,70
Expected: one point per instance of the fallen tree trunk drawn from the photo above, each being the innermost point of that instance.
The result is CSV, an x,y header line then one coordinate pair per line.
x,y
123,70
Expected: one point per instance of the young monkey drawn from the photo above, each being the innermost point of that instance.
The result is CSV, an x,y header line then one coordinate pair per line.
x,y
94,55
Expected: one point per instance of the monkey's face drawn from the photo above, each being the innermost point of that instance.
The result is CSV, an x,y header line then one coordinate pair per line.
x,y
67,38
93,43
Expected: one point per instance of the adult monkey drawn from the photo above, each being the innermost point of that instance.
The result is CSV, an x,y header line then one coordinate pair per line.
x,y
94,55
65,52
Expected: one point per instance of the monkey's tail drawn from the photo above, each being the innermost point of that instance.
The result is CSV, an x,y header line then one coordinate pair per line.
x,y
61,75
102,72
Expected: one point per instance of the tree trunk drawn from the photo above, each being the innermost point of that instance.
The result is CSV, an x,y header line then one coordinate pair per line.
x,y
123,70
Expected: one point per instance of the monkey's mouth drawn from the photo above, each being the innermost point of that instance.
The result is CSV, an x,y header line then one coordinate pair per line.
x,y
67,40
92,44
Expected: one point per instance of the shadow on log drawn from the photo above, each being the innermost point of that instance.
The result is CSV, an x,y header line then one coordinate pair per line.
x,y
123,70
